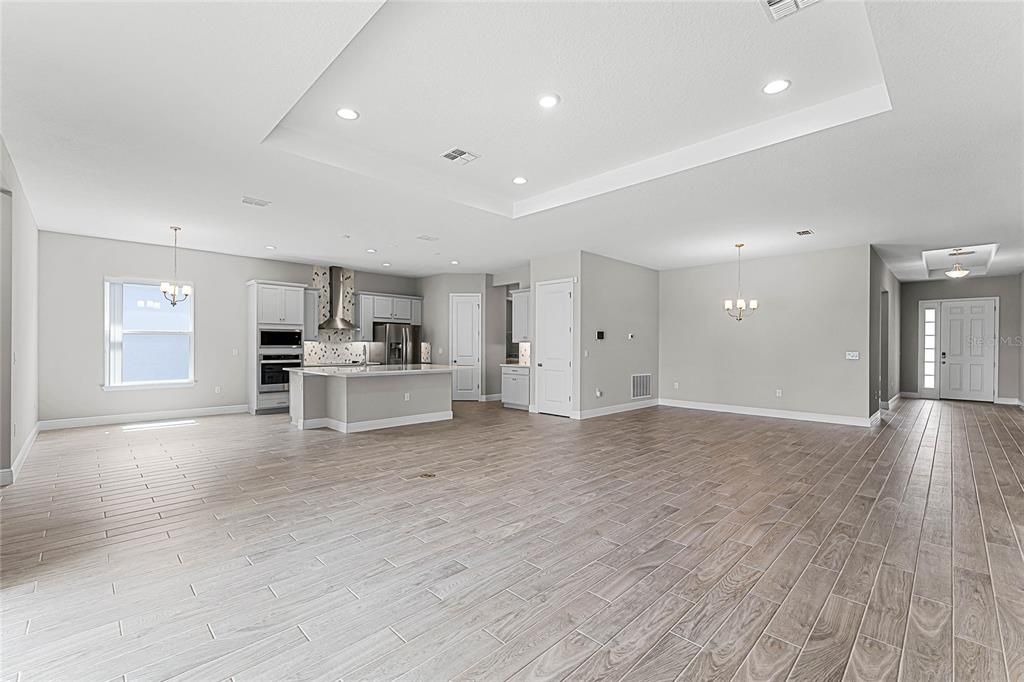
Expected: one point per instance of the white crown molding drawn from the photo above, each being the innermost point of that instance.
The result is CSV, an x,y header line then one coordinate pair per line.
x,y
106,419
767,412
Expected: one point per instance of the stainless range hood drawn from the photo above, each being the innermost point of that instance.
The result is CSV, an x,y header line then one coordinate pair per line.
x,y
337,288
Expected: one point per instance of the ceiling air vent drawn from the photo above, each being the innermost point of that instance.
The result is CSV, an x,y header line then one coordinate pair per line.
x,y
804,233
253,201
460,156
783,8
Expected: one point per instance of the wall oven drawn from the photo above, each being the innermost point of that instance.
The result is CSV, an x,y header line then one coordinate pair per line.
x,y
274,365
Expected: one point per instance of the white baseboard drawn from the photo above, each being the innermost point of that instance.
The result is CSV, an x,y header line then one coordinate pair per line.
x,y
768,412
875,419
374,424
1007,401
909,394
490,398
8,476
533,409
103,420
891,403
614,409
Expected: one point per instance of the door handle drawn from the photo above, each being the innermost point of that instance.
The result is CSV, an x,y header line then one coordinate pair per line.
x,y
540,364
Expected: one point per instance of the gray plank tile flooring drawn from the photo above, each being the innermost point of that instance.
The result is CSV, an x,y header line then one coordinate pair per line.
x,y
661,544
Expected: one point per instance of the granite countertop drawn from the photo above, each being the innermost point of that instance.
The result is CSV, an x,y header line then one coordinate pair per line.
x,y
354,371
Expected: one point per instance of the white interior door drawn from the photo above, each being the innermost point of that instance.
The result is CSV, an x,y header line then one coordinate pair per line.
x,y
465,346
554,347
967,349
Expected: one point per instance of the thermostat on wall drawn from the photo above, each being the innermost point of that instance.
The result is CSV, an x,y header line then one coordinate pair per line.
x,y
600,336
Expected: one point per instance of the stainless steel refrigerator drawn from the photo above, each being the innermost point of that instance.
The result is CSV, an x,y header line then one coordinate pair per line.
x,y
395,344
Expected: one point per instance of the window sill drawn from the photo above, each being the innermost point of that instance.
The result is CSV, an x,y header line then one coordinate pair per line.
x,y
149,385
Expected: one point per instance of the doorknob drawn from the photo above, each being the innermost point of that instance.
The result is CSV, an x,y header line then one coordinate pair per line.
x,y
540,364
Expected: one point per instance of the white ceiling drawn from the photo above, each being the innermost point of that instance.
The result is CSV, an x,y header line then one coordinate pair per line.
x,y
124,118
638,81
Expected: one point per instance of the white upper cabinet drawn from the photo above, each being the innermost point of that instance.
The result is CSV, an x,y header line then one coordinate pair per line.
x,y
382,308
520,316
401,309
417,311
281,305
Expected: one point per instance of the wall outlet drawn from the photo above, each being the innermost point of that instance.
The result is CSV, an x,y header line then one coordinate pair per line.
x,y
586,353
598,392
234,351
216,389
675,384
630,336
407,396
853,355
778,393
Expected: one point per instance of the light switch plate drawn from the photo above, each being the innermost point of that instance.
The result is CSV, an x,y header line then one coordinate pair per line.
x,y
853,355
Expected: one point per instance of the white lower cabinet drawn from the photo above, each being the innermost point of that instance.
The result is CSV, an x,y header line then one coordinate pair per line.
x,y
515,387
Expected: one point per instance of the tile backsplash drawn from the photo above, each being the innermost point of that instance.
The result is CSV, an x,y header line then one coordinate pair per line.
x,y
334,346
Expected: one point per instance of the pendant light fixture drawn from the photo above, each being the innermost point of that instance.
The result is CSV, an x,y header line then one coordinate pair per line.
x,y
958,271
736,308
174,291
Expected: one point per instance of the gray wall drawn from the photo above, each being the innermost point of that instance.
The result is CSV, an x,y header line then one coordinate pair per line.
x,y
24,314
618,298
1020,343
6,220
437,327
1007,288
379,283
884,371
814,308
71,326
519,276
546,268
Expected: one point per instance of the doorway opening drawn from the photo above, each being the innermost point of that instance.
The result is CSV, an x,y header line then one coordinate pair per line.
x,y
959,349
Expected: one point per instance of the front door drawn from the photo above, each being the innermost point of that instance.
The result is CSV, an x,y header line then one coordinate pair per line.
x,y
967,349
465,346
554,347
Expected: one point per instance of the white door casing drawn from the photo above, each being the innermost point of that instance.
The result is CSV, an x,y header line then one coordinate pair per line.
x,y
967,349
554,344
464,345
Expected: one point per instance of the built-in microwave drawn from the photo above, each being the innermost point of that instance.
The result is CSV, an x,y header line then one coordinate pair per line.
x,y
280,338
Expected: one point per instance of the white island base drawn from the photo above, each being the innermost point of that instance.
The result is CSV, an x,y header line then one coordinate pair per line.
x,y
352,399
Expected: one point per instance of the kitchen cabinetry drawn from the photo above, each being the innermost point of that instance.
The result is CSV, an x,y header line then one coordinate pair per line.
x,y
311,316
280,305
515,386
520,316
372,308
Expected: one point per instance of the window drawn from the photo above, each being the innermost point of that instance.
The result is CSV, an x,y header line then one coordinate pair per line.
x,y
928,368
149,342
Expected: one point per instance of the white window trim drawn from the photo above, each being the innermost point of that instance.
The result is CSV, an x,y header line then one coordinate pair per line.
x,y
112,315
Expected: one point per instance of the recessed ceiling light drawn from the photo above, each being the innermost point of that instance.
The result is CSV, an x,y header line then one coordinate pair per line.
x,y
348,114
775,87
385,265
371,251
549,101
268,247
520,180
454,262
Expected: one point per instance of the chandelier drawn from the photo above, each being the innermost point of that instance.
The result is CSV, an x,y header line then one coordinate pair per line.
x,y
174,291
736,308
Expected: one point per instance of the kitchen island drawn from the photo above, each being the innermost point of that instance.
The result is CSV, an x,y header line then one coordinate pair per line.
x,y
368,397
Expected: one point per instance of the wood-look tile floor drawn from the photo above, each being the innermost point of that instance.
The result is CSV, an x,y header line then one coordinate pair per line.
x,y
654,545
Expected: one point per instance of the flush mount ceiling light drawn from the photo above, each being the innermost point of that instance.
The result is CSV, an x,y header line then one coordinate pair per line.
x,y
174,291
549,101
775,87
371,251
348,114
519,180
454,262
957,272
736,308
268,247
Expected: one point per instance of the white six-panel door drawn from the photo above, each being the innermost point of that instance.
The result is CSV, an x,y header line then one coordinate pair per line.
x,y
967,348
553,301
464,343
